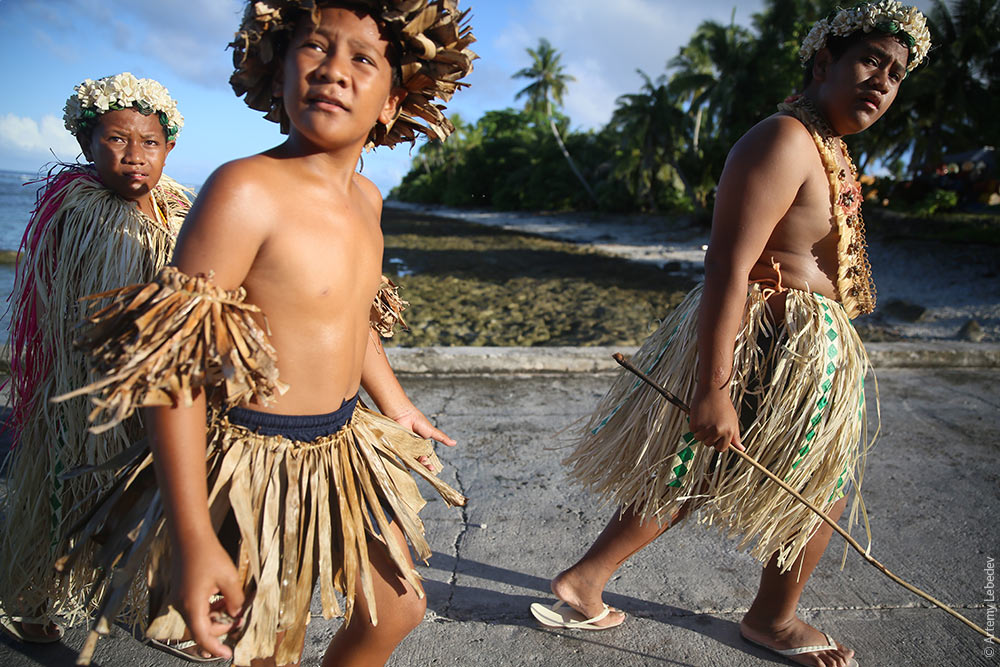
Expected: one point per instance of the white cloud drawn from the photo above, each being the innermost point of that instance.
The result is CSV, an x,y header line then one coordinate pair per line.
x,y
603,43
19,134
194,49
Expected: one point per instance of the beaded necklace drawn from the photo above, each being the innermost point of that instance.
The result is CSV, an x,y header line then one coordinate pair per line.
x,y
854,274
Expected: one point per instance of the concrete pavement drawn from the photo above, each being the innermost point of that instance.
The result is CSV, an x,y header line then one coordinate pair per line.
x,y
932,490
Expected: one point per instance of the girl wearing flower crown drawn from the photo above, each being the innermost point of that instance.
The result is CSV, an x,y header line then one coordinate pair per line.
x,y
95,226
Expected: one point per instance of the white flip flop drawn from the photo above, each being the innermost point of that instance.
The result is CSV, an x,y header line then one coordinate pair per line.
x,y
561,615
789,652
178,649
14,626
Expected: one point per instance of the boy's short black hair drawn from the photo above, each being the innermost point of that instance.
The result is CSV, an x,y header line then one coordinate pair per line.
x,y
838,46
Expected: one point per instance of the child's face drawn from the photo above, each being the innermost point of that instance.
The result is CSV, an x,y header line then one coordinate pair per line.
x,y
129,151
337,80
860,86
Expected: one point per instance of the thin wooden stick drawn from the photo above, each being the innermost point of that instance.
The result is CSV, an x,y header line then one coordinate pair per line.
x,y
833,524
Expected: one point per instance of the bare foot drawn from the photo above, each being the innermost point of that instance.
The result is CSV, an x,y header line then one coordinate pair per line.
x,y
580,594
795,634
38,632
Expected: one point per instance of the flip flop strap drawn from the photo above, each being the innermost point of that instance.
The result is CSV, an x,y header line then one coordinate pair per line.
x,y
808,649
595,619
36,620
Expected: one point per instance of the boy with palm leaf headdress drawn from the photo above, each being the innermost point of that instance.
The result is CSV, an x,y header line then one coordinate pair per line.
x,y
292,482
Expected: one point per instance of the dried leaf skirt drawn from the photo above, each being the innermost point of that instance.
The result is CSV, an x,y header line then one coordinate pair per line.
x,y
304,512
799,388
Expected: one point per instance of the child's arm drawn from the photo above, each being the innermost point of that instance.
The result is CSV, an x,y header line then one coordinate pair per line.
x,y
221,236
201,567
762,176
377,376
381,384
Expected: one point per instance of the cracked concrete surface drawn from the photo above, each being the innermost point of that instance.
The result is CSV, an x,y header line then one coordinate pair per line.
x,y
932,490
457,547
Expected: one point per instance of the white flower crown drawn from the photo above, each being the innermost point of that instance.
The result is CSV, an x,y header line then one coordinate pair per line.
x,y
92,98
888,16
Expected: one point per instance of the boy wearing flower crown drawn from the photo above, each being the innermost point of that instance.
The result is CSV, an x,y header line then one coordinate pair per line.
x,y
278,266
95,226
764,349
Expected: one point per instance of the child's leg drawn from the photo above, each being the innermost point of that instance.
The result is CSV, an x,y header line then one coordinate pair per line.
x,y
771,619
582,585
400,610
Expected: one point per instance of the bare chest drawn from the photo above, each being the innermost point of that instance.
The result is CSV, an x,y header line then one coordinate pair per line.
x,y
810,219
320,263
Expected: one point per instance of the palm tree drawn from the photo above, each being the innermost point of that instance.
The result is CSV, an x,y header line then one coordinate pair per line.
x,y
715,75
547,87
692,79
435,153
955,96
652,126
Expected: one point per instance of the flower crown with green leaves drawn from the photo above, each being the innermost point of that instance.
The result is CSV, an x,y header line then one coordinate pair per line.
x,y
92,99
888,16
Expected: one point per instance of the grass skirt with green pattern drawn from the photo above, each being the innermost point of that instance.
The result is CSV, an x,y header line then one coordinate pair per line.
x,y
799,388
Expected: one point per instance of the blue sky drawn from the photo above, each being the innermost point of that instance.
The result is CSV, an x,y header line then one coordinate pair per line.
x,y
51,45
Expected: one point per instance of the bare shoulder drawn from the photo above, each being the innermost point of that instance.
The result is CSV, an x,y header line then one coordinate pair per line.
x,y
765,172
244,194
778,141
370,195
233,215
251,185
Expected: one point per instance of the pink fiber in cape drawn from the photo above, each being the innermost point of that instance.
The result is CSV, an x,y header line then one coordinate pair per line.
x,y
30,361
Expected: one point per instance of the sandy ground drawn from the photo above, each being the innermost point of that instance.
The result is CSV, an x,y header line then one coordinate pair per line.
x,y
926,290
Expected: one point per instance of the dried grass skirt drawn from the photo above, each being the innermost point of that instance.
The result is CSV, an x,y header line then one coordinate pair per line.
x,y
304,511
799,388
82,238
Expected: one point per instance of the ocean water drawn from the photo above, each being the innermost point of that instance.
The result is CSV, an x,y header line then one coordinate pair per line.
x,y
17,199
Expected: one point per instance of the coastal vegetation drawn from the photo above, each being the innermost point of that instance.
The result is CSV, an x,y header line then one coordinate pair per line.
x,y
665,145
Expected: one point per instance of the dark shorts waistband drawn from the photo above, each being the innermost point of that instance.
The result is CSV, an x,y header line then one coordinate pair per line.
x,y
301,428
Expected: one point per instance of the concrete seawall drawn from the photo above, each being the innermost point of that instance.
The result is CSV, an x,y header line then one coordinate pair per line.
x,y
474,360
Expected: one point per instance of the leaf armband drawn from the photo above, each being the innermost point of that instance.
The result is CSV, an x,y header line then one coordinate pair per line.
x,y
387,309
161,343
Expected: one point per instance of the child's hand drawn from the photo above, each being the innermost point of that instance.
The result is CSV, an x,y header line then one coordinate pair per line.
x,y
415,420
203,570
714,421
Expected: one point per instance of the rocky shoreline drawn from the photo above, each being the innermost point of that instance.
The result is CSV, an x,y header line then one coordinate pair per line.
x,y
928,290
474,285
